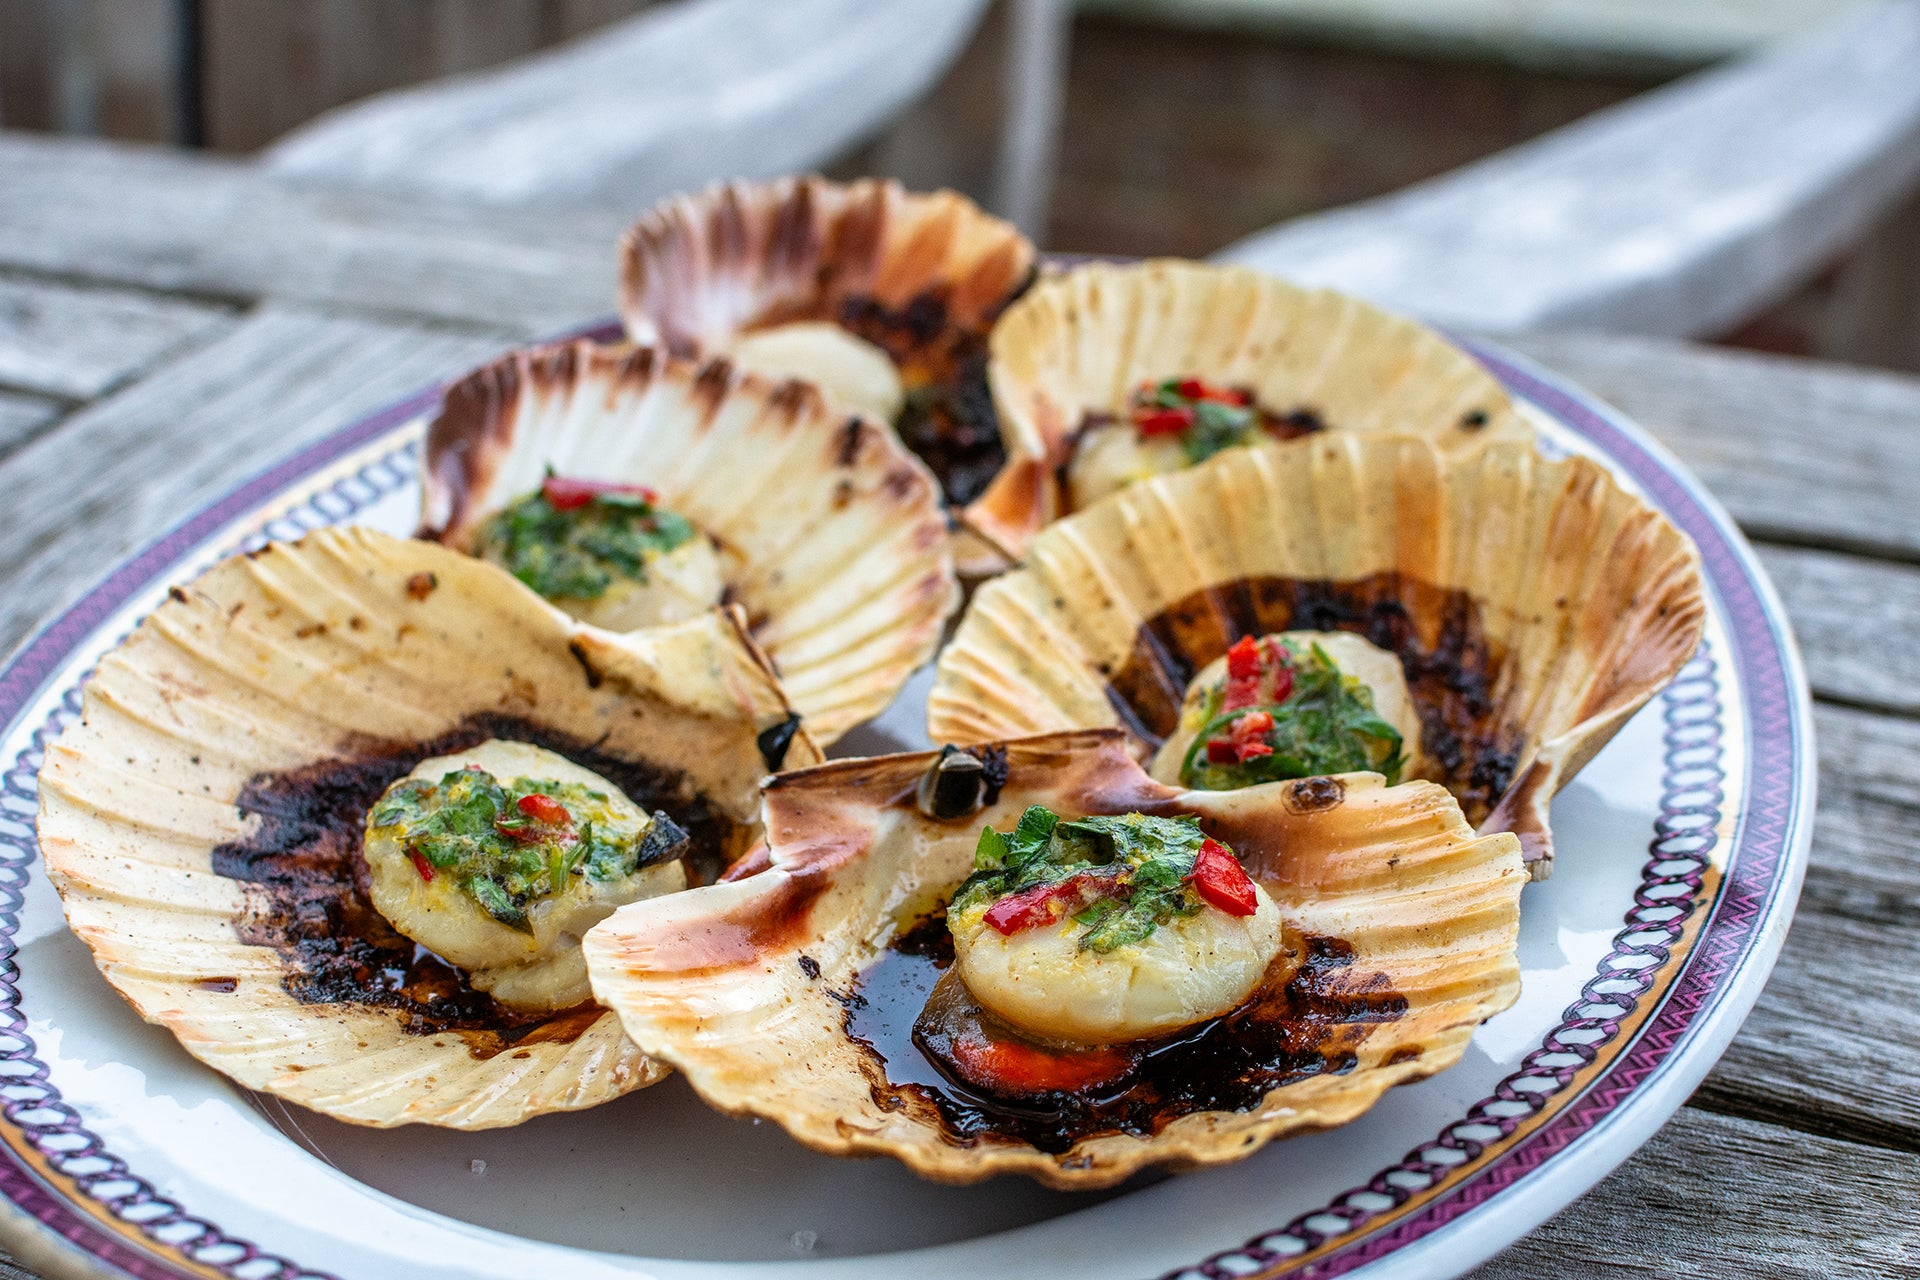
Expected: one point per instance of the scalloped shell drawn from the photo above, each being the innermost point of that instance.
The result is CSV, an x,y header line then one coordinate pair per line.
x,y
834,532
922,275
1569,600
1082,342
712,981
308,652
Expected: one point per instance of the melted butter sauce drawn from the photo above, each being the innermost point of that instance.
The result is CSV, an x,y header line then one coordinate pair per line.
x,y
307,885
1307,1018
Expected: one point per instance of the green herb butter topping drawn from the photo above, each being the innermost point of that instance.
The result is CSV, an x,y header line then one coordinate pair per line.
x,y
510,844
569,545
1120,878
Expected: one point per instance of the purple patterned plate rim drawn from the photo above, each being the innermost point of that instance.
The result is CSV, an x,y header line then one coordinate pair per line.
x,y
1655,1065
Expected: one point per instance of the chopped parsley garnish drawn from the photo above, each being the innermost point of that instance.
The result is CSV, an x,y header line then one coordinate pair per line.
x,y
1280,715
572,540
510,844
1206,418
1120,878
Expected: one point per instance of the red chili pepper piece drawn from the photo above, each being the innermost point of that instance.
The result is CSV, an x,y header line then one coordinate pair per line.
x,y
1162,422
421,865
566,494
1283,684
1043,904
544,808
1252,725
1221,881
1221,751
1243,659
1196,389
1243,675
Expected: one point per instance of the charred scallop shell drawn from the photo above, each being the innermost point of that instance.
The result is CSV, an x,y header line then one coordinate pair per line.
x,y
1534,605
1401,931
203,820
920,276
830,534
1075,348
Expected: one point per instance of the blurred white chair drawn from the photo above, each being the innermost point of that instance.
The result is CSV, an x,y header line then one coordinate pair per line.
x,y
1680,212
668,100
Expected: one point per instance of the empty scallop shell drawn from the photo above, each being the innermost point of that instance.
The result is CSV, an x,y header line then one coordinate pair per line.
x,y
752,988
922,276
1535,605
1078,345
831,533
289,686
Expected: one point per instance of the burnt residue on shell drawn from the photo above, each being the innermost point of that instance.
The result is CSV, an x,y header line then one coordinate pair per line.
x,y
307,883
949,419
1309,1017
1452,673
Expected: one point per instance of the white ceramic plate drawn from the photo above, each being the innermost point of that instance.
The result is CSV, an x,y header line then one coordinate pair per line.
x,y
1681,849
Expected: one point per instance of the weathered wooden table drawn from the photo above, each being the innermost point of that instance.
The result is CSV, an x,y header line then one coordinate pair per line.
x,y
168,323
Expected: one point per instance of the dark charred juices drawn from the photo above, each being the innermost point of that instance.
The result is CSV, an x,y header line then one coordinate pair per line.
x,y
941,1055
1451,674
949,420
308,896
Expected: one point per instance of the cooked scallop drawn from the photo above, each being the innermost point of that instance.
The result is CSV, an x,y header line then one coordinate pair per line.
x,y
537,966
205,821
720,484
1356,656
1396,930
852,371
1071,355
1112,457
1045,983
679,584
1533,604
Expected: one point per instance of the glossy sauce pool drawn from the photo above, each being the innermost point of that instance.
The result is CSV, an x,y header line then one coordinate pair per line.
x,y
1307,1018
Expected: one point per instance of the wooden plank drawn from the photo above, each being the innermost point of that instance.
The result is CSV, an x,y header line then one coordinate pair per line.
x,y
22,418
1858,623
272,66
80,343
1867,844
1681,212
1713,1195
671,99
1799,451
1573,35
1829,1047
133,465
193,223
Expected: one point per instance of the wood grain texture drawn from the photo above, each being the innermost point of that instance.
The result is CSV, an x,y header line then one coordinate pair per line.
x,y
1717,1196
198,225
1829,1048
79,343
136,463
1858,622
1801,452
22,418
672,99
1682,211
